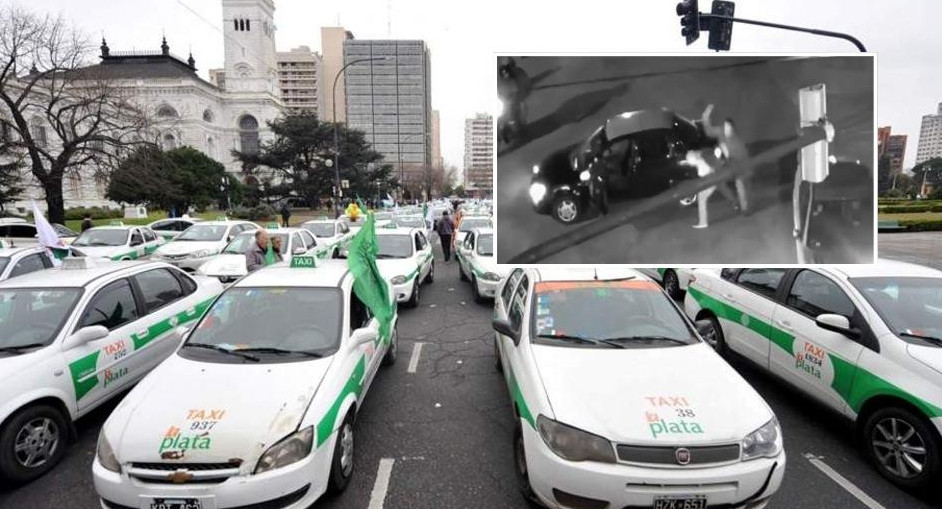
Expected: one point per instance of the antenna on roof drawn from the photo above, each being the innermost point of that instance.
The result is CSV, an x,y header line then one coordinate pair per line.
x,y
596,270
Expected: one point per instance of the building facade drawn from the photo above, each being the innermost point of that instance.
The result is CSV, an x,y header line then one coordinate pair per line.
x,y
299,73
332,40
389,99
882,134
479,154
930,137
895,149
436,141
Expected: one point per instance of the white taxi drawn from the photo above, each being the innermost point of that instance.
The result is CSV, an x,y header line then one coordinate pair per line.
x,y
199,242
413,221
257,407
674,280
171,228
864,340
118,242
405,259
469,223
19,261
477,264
231,264
74,336
333,234
663,423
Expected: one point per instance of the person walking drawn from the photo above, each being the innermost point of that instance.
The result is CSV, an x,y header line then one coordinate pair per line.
x,y
87,222
445,230
285,213
255,256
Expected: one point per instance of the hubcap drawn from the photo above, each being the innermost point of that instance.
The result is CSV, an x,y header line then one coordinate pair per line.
x,y
36,442
566,210
710,337
690,200
346,450
898,447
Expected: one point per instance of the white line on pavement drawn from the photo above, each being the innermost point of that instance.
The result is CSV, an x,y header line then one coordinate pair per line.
x,y
378,496
843,482
414,361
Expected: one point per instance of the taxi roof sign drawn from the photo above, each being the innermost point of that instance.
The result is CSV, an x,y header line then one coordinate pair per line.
x,y
391,225
222,218
303,262
272,226
83,262
116,222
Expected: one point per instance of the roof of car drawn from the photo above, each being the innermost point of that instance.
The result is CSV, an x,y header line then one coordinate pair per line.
x,y
59,277
563,273
115,227
328,273
12,251
223,222
395,231
281,229
633,121
887,268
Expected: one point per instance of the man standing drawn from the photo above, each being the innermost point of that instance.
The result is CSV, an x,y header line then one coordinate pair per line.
x,y
255,256
445,230
87,222
285,213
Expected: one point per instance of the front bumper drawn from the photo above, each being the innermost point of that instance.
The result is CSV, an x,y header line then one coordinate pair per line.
x,y
487,288
403,291
739,485
188,264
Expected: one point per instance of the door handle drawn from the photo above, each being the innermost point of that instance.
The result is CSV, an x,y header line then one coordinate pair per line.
x,y
784,325
728,297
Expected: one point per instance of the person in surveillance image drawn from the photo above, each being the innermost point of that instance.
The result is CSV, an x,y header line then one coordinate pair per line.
x,y
676,159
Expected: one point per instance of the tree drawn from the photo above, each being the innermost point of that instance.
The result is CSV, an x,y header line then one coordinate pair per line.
x,y
60,115
179,178
884,178
929,172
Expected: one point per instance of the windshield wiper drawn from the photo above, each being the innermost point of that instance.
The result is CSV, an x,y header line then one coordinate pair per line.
x,y
267,349
651,338
383,256
581,339
224,350
19,348
929,339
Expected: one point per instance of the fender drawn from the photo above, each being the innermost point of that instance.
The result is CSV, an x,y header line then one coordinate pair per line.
x,y
22,400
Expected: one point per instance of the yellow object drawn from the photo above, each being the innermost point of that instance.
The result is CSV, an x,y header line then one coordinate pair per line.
x,y
353,211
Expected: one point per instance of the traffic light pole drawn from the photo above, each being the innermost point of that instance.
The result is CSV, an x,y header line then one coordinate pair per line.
x,y
708,18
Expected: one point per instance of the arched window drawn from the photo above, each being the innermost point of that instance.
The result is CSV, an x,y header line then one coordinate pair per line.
x,y
170,142
248,134
166,111
211,147
208,115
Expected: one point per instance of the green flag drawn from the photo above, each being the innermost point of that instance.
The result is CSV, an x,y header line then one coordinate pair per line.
x,y
368,283
361,205
270,255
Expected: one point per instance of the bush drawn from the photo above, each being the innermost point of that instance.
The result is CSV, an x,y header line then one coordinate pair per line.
x,y
921,225
260,212
78,213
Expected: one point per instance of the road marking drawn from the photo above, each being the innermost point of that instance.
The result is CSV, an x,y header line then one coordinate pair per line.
x,y
843,482
414,361
378,496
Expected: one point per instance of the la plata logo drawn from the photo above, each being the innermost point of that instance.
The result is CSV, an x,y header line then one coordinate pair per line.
x,y
175,440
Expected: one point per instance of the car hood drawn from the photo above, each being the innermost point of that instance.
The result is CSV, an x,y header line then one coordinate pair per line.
x,y
392,267
229,264
929,355
200,412
179,247
673,395
102,251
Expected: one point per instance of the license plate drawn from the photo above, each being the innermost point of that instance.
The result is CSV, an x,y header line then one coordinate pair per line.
x,y
691,502
176,503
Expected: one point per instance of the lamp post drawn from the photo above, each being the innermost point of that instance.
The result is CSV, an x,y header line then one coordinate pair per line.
x,y
337,192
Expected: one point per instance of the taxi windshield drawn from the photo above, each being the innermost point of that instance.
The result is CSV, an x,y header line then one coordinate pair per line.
x,y
486,245
102,237
410,222
203,233
320,230
32,317
470,224
394,246
606,314
910,306
240,244
272,323
382,216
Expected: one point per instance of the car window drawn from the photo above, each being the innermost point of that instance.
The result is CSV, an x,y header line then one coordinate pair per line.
x,y
28,264
24,231
522,288
34,315
422,241
762,281
163,225
653,144
813,294
485,245
728,274
149,235
158,287
180,225
508,289
469,241
359,314
189,286
394,246
297,242
136,238
309,239
112,307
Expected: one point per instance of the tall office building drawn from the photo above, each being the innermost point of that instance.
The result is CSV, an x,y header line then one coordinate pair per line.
x,y
436,141
390,101
332,40
479,154
895,149
930,137
883,133
299,73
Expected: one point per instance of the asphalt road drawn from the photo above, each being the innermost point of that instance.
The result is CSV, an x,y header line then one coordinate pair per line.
x,y
916,247
446,427
572,96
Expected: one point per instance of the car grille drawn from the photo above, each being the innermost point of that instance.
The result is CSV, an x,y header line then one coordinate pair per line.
x,y
173,467
667,455
174,256
199,473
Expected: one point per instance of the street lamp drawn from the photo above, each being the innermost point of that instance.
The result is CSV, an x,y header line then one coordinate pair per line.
x,y
338,192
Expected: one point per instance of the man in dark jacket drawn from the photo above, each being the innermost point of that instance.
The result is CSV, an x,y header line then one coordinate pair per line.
x,y
285,213
445,229
255,256
87,222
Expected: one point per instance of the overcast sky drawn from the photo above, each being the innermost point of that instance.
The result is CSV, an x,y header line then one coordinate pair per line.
x,y
463,36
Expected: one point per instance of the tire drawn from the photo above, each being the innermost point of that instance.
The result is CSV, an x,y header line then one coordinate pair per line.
x,y
498,365
461,275
566,209
478,298
879,427
430,278
672,284
521,469
341,465
392,353
413,301
688,200
26,426
718,341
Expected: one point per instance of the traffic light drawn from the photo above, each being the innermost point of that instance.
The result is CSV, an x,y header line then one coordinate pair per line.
x,y
721,31
689,20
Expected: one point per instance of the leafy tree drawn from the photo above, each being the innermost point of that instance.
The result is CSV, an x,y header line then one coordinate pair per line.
x,y
930,172
179,178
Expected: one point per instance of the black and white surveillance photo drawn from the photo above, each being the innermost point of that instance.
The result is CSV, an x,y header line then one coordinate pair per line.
x,y
685,159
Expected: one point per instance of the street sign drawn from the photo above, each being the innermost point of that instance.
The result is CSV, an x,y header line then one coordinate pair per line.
x,y
721,31
345,184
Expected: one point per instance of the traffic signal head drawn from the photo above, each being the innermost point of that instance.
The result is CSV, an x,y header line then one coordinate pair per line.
x,y
689,20
721,31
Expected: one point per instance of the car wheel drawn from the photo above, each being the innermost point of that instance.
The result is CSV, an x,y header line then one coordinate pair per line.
x,y
414,299
392,353
688,200
430,278
566,209
32,442
497,363
461,275
715,337
475,292
672,285
341,465
520,467
903,447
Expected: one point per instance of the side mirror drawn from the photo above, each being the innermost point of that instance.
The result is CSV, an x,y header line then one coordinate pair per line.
x,y
837,323
298,250
362,336
84,336
504,327
181,331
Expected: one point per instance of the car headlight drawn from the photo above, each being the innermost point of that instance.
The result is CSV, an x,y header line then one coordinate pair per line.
x,y
292,449
764,442
106,455
537,192
584,175
574,444
490,276
536,169
398,280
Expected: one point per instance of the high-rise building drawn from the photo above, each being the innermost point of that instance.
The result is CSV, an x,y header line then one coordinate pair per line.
x,y
930,137
436,141
389,99
299,74
895,149
882,134
479,154
332,39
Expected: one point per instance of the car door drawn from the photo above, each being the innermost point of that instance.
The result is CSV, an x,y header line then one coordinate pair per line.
x,y
100,369
422,255
817,361
151,241
518,366
30,263
746,315
136,245
502,310
360,316
466,260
